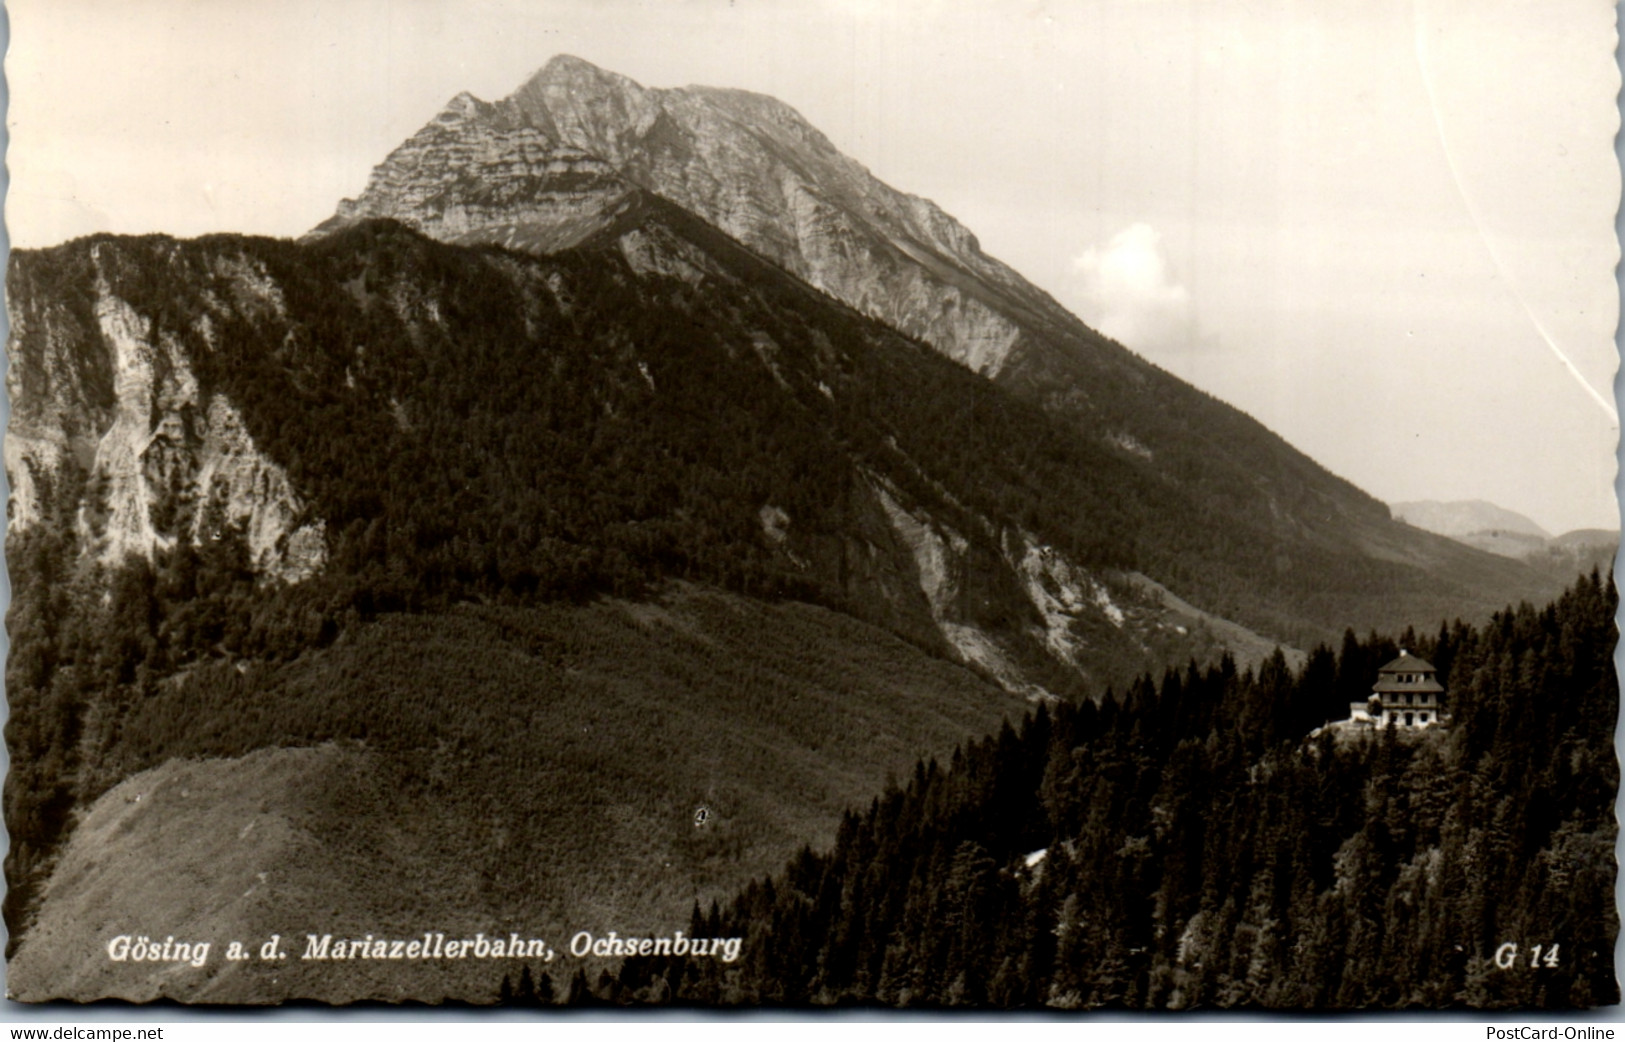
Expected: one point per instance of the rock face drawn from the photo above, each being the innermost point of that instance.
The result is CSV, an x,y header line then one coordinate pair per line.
x,y
161,459
477,174
546,166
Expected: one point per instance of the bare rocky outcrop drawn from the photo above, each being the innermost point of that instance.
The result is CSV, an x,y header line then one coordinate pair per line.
x,y
163,460
474,174
555,162
1065,598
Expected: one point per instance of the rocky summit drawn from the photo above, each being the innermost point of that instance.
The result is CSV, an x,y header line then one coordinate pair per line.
x,y
538,169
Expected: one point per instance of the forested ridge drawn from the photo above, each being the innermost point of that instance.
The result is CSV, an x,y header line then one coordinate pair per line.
x,y
475,423
1191,843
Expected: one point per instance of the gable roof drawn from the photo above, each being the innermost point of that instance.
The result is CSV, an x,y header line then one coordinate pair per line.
x,y
1388,684
1421,676
1408,663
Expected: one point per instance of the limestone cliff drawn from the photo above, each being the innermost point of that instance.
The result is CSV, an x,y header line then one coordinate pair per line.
x,y
552,163
111,427
474,174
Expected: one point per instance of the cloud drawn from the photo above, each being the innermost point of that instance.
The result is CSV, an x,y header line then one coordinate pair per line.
x,y
1125,292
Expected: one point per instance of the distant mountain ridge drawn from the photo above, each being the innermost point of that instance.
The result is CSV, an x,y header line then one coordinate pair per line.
x,y
1493,529
1466,516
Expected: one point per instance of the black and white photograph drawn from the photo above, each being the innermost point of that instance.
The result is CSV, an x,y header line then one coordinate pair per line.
x,y
1065,506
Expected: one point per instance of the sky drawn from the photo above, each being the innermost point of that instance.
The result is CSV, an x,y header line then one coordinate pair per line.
x,y
1385,229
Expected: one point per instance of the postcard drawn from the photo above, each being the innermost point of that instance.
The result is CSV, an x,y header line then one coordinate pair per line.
x,y
1055,506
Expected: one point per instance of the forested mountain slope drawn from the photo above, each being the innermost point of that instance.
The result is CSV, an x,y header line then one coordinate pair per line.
x,y
1189,845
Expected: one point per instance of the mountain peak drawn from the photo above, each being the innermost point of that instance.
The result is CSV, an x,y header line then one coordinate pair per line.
x,y
1465,517
466,105
567,72
566,65
575,101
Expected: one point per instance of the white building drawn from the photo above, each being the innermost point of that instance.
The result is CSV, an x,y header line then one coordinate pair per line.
x,y
1406,695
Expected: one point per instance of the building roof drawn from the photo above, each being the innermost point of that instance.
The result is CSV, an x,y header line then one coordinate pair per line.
x,y
1388,676
1387,685
1408,663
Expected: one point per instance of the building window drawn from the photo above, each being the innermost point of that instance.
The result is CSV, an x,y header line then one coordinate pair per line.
x,y
1424,718
1410,718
